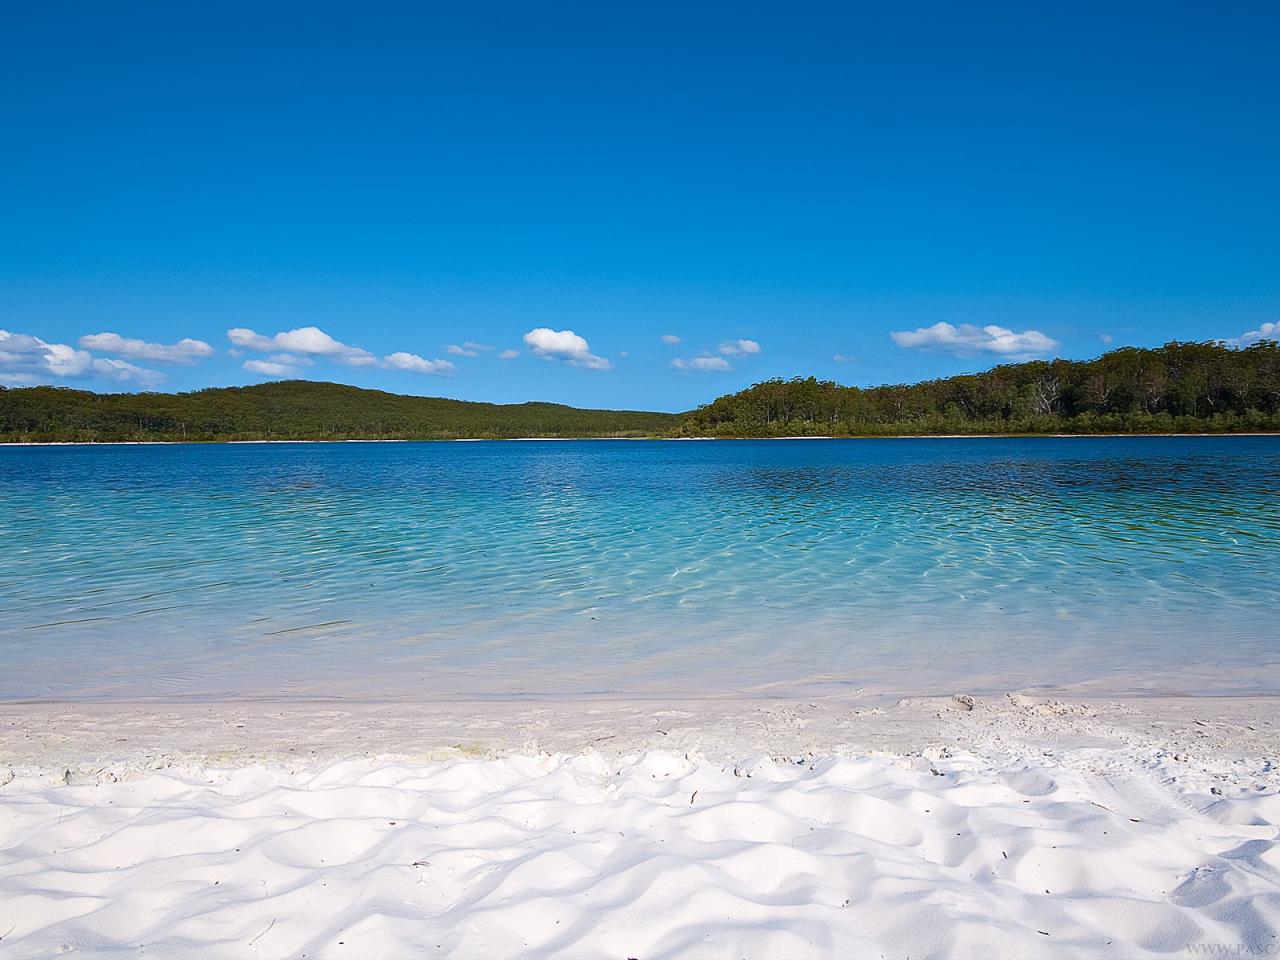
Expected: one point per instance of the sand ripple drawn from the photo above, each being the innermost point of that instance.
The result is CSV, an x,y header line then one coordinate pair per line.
x,y
652,856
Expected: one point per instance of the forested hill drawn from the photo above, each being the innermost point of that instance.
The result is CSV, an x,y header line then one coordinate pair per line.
x,y
1177,388
298,410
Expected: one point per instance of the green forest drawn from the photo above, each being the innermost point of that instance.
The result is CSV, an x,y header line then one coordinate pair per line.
x,y
1177,388
298,410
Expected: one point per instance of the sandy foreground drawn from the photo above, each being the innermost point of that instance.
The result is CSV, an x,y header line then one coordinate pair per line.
x,y
1004,826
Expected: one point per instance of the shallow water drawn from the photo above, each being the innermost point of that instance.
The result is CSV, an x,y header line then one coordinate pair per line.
x,y
572,568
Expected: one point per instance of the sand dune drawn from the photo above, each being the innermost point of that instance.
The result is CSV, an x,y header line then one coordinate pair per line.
x,y
649,855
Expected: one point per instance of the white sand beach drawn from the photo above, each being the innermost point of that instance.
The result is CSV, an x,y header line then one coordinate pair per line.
x,y
1006,826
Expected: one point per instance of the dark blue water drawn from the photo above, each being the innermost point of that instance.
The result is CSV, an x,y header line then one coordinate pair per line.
x,y
556,568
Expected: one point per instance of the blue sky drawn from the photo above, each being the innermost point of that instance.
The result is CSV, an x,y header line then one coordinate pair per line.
x,y
553,189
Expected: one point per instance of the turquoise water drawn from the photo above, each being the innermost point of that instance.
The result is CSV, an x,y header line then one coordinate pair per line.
x,y
601,567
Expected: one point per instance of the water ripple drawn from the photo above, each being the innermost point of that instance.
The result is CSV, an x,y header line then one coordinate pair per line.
x,y
554,567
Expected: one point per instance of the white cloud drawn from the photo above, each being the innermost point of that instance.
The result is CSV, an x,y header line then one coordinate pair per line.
x,y
968,339
309,340
1105,337
291,360
468,348
564,345
35,359
732,348
508,354
701,364
64,361
671,339
244,337
270,368
1266,331
416,364
27,360
292,349
184,351
126,372
843,358
304,340
315,341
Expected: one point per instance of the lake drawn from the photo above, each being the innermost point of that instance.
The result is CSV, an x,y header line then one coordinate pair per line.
x,y
647,568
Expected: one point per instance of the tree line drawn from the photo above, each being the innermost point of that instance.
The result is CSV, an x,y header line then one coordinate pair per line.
x,y
297,410
1177,388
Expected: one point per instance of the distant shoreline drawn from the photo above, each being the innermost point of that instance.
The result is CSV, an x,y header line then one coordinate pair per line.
x,y
896,436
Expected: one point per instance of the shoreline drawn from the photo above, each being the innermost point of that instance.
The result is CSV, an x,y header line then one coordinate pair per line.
x,y
123,736
902,436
